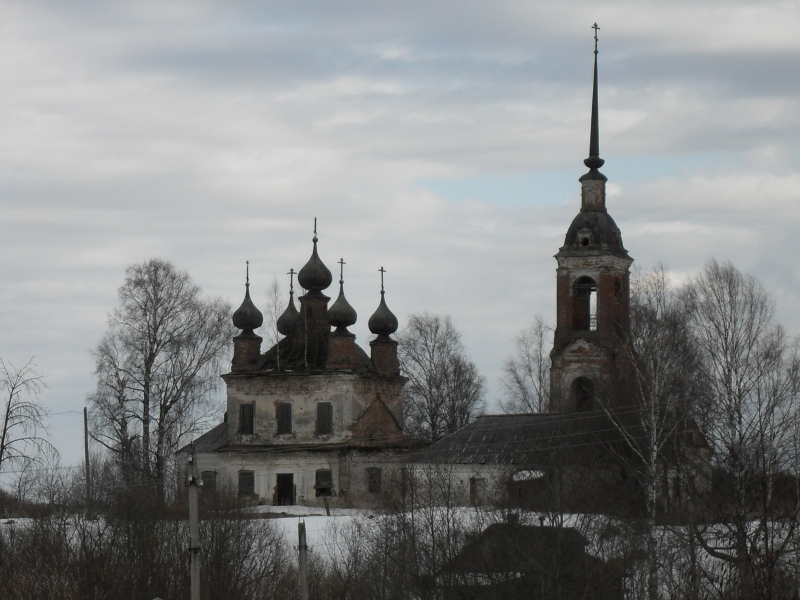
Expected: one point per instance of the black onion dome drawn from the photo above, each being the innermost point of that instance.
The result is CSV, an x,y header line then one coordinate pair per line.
x,y
383,322
341,315
592,229
287,322
247,317
314,276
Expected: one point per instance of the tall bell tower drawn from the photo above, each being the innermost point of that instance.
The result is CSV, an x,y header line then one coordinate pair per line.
x,y
590,349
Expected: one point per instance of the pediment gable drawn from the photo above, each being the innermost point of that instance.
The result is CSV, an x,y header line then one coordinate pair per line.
x,y
377,422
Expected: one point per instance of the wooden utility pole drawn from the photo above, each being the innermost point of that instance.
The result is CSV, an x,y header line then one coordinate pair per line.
x,y
86,461
194,525
301,533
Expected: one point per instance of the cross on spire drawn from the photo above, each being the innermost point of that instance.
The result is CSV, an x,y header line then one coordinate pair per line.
x,y
594,161
291,280
247,271
382,271
341,270
315,225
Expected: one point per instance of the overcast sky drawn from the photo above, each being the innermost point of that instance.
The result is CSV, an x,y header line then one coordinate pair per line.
x,y
441,140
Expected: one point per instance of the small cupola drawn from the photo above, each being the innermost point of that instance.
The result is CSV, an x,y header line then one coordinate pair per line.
x,y
383,324
314,276
246,345
341,315
247,317
288,320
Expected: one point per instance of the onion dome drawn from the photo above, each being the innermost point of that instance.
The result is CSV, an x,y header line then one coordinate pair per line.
x,y
341,315
383,322
314,276
247,317
287,322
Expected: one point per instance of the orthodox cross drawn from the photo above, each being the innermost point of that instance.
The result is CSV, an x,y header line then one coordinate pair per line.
x,y
315,225
596,29
247,271
291,280
382,270
341,270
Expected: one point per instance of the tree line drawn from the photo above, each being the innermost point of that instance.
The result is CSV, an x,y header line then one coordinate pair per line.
x,y
708,352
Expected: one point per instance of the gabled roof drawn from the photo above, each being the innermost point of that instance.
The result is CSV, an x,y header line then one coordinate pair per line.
x,y
527,439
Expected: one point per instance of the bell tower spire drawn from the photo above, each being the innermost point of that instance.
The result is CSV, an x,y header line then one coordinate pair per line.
x,y
594,161
593,183
593,316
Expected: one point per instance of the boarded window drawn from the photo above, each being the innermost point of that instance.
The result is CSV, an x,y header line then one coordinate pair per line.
x,y
209,479
477,491
324,483
247,483
246,418
324,417
374,480
284,417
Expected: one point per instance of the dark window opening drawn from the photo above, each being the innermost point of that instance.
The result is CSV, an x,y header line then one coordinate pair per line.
x,y
583,394
477,491
324,483
374,480
209,479
283,415
247,483
324,417
584,312
284,490
246,413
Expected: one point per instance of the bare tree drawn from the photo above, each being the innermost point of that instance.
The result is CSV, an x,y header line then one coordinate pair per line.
x,y
114,415
444,390
526,375
753,375
158,364
21,423
663,362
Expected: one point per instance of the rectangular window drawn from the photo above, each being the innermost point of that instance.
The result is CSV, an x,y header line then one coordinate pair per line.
x,y
246,419
324,483
247,483
324,417
283,415
209,479
374,480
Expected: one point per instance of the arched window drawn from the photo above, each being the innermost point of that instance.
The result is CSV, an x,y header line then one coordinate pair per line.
x,y
584,311
583,394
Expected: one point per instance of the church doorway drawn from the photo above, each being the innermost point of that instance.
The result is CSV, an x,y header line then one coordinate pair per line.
x,y
284,490
583,394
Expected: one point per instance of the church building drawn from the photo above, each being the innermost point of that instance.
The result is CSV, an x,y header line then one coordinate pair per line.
x,y
314,420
